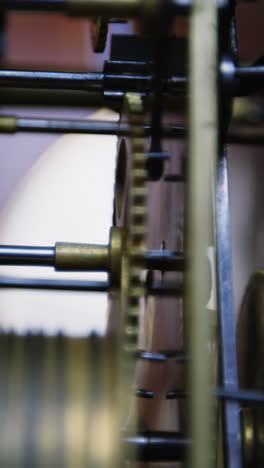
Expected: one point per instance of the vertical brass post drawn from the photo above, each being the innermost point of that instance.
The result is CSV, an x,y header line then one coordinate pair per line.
x,y
201,309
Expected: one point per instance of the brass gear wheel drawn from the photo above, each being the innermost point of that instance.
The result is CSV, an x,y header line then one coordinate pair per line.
x,y
130,217
127,300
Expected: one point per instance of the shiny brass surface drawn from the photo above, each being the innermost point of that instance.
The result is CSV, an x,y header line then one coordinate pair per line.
x,y
116,248
70,256
81,257
8,123
203,152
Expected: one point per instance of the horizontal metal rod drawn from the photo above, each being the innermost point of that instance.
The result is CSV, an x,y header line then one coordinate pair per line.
x,y
143,393
72,126
161,356
103,82
90,82
51,80
157,446
245,396
9,282
35,5
164,260
12,124
114,8
26,255
45,256
65,98
158,288
250,73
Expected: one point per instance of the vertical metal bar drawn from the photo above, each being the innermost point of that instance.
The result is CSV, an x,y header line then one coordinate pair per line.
x,y
202,317
231,412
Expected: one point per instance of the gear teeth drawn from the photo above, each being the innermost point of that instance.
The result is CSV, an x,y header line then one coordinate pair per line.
x,y
139,211
139,192
134,312
137,221
138,230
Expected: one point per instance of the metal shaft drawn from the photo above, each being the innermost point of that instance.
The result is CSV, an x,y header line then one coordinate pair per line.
x,y
90,82
158,288
157,446
164,260
250,73
77,7
26,255
114,8
65,97
35,5
51,80
12,124
9,282
83,257
102,82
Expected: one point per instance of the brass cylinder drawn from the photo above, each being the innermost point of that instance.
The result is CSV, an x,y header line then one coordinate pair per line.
x,y
116,246
81,257
110,8
7,124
